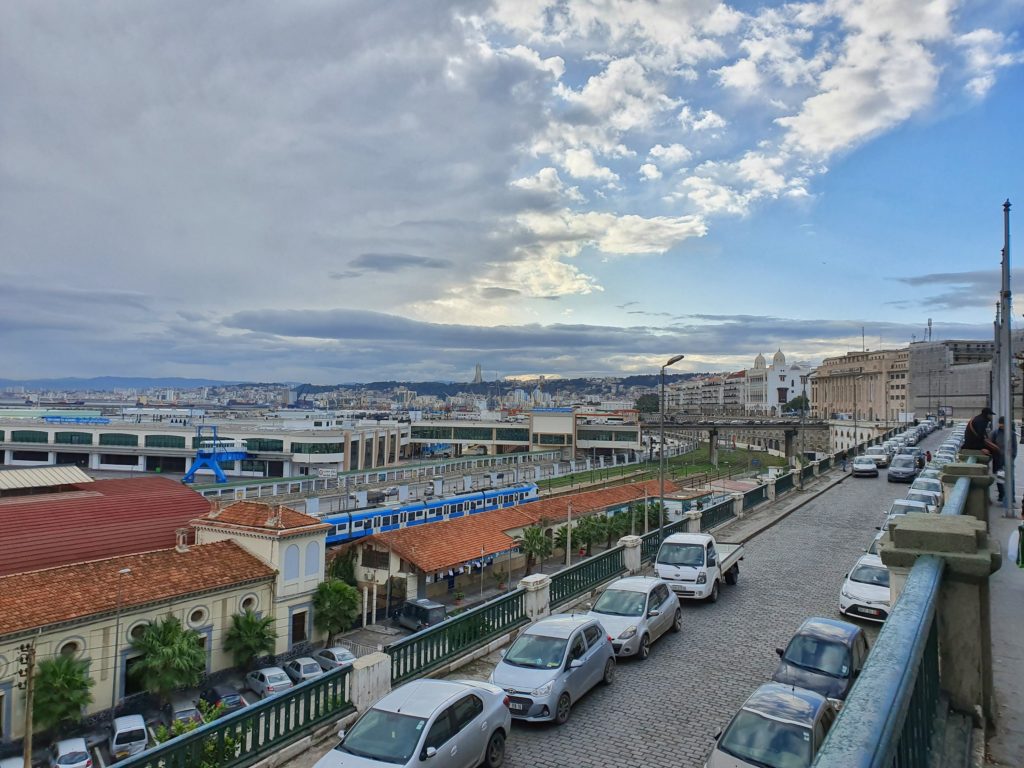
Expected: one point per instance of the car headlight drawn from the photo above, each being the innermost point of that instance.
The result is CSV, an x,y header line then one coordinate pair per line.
x,y
627,633
544,690
702,578
846,594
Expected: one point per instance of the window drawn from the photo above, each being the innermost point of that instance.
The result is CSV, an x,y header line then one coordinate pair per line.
x,y
593,635
465,710
373,558
136,632
117,438
165,441
440,731
291,562
249,603
578,648
198,617
28,436
70,648
312,558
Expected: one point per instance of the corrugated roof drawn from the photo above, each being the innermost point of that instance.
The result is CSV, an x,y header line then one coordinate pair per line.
x,y
40,598
102,519
12,478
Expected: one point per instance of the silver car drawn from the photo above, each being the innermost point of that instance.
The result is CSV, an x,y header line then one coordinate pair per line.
x,y
461,723
302,669
334,657
268,681
552,664
636,611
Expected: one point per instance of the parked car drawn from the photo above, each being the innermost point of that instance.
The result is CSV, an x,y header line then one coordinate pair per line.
x,y
878,454
462,723
552,664
421,613
825,656
932,499
18,761
128,736
225,697
865,593
779,725
902,469
905,506
334,657
864,466
302,669
930,484
693,565
69,753
636,611
181,709
268,681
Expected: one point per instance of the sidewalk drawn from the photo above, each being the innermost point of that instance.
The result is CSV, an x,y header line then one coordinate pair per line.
x,y
1005,747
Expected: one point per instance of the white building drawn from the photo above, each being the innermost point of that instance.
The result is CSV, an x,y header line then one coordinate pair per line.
x,y
770,387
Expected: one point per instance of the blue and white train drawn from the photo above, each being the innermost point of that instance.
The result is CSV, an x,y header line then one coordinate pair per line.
x,y
364,522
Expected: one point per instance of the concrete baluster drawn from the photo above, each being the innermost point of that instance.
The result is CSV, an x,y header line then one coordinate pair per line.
x,y
631,555
538,595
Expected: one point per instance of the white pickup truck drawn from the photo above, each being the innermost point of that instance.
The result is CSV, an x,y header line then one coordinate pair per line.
x,y
693,565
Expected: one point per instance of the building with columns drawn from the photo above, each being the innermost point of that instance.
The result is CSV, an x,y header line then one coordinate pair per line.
x,y
862,386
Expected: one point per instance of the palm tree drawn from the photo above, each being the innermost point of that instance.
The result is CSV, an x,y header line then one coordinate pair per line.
x,y
61,691
561,538
534,545
171,657
249,637
586,531
343,568
335,607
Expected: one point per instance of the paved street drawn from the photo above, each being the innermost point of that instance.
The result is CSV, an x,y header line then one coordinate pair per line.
x,y
665,711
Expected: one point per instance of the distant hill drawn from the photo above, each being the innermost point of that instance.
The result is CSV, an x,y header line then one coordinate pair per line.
x,y
109,383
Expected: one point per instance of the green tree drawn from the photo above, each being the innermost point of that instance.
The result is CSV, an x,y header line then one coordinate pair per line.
x,y
61,691
647,404
588,530
343,568
171,657
249,637
561,537
535,545
798,403
335,607
217,750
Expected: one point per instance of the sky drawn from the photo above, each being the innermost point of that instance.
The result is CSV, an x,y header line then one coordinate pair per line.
x,y
347,191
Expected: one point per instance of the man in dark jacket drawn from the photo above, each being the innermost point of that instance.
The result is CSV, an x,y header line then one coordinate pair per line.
x,y
976,434
998,463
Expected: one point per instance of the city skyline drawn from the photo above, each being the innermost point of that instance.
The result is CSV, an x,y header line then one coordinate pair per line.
x,y
321,194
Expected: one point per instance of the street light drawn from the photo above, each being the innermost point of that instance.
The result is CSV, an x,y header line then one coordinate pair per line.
x,y
117,636
856,452
661,452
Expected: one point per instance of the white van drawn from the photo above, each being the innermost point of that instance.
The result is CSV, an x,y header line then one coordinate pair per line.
x,y
128,736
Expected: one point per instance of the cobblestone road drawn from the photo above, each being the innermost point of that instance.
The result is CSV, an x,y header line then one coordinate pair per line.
x,y
665,711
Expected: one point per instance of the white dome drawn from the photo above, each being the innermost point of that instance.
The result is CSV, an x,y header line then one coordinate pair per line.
x,y
779,360
759,361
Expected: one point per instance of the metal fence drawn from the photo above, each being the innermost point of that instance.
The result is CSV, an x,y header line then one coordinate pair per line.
x,y
578,578
755,496
712,517
784,483
434,646
807,472
246,736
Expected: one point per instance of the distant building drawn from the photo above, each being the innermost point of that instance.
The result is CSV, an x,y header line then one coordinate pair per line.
x,y
862,386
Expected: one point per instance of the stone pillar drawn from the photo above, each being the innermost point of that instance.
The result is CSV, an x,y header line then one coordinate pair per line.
x,y
370,680
817,467
692,521
713,447
631,556
771,489
538,595
963,610
977,497
438,487
346,462
366,604
737,505
467,482
373,602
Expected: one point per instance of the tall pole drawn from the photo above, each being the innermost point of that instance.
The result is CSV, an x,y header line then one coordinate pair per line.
x,y
568,536
28,658
117,639
661,455
1006,371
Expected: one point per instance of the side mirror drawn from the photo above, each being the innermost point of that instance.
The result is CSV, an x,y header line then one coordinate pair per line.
x,y
654,613
575,663
430,752
780,652
718,735
341,734
712,562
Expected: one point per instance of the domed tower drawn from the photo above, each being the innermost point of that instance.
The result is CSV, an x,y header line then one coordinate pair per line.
x,y
759,361
779,361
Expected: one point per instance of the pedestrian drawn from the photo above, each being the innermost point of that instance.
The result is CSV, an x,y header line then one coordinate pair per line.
x,y
998,459
928,457
843,465
976,434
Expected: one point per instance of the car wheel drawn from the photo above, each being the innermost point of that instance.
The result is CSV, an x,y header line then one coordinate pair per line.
x,y
495,755
562,709
713,597
645,648
732,575
609,672
677,622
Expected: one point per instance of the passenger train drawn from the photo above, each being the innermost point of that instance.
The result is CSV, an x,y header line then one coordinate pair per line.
x,y
364,522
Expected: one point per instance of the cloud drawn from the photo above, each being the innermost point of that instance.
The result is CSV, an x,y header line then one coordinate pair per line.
x,y
673,154
395,262
978,288
580,164
983,51
649,172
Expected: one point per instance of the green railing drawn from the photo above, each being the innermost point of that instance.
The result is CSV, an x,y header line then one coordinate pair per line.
x,y
649,544
825,463
783,483
583,576
712,517
432,647
807,472
755,496
248,735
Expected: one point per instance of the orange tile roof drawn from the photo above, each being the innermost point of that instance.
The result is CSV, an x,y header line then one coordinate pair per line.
x,y
442,545
269,519
54,595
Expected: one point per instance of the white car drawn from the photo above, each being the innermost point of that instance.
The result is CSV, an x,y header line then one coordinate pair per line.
x,y
878,454
927,484
70,753
865,593
268,681
302,669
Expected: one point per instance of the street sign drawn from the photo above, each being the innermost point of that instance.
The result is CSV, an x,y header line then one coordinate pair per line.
x,y
327,473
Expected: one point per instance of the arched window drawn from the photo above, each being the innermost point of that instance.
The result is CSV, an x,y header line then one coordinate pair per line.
x,y
312,558
291,563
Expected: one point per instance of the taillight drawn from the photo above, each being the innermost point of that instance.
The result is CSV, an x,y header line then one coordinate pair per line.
x,y
506,701
609,638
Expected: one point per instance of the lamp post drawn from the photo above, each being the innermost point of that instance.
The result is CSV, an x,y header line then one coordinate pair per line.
x,y
855,380
117,637
661,453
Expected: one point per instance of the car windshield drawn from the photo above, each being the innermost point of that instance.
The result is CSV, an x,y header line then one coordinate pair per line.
x,y
902,461
385,736
128,737
681,554
765,742
188,714
819,655
277,677
924,498
619,602
536,652
870,574
864,461
72,758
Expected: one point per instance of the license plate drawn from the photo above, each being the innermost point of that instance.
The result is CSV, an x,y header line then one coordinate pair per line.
x,y
872,611
514,705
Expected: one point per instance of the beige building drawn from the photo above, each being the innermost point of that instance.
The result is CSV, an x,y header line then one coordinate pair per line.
x,y
247,556
860,386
